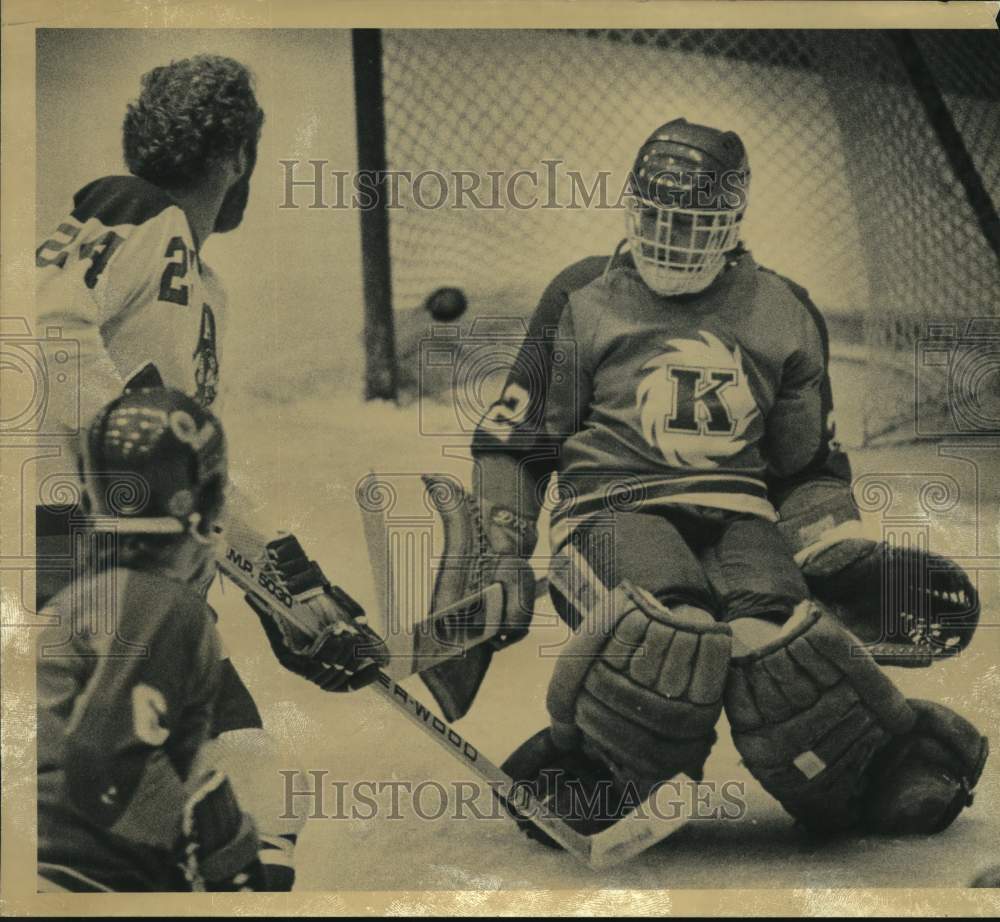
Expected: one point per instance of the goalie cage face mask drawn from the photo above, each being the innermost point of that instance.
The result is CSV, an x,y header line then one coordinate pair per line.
x,y
687,197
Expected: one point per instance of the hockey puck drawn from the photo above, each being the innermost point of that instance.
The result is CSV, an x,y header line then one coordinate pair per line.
x,y
445,304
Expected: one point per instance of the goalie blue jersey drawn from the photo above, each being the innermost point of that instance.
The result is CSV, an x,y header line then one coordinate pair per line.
x,y
638,400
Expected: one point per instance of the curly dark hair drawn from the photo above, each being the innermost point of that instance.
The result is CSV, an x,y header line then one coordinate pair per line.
x,y
189,114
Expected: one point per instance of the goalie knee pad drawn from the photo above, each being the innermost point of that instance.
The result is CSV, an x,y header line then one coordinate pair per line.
x,y
808,712
643,692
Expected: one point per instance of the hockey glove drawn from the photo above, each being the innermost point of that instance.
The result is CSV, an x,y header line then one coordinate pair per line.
x,y
509,542
909,605
339,651
218,843
490,543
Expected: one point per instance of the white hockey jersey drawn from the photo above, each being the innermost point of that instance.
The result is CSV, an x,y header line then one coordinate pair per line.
x,y
122,281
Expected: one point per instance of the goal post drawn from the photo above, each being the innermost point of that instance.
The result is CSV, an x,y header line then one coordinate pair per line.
x,y
380,356
873,155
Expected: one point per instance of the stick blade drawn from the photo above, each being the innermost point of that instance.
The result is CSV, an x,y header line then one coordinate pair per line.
x,y
638,830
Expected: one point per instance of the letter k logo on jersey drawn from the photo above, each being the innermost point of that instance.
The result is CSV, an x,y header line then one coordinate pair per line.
x,y
694,402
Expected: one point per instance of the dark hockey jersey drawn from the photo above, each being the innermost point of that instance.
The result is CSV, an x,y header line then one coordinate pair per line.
x,y
637,399
127,674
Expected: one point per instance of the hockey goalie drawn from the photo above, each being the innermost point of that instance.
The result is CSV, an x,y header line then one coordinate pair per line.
x,y
703,539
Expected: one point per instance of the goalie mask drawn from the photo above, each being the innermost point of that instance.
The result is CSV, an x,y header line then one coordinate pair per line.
x,y
687,196
155,460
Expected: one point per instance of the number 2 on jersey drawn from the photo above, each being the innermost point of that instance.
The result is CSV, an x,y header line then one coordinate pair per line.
x,y
176,269
97,251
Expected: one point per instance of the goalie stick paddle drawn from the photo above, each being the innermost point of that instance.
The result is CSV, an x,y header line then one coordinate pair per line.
x,y
632,834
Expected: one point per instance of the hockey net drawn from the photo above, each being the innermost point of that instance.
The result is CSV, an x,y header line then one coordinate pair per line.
x,y
855,192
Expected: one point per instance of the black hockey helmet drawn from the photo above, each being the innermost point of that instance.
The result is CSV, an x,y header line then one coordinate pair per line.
x,y
687,196
154,459
683,165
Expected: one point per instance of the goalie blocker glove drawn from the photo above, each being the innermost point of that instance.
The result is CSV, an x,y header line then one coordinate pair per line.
x,y
486,544
344,653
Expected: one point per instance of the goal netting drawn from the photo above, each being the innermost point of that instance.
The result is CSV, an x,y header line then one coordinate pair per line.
x,y
863,190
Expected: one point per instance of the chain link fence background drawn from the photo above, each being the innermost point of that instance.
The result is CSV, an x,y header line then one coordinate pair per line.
x,y
852,194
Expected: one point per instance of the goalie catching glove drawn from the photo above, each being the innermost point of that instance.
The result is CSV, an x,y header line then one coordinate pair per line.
x,y
909,606
337,650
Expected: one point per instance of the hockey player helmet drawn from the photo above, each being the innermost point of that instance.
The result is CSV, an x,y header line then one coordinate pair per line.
x,y
687,196
155,459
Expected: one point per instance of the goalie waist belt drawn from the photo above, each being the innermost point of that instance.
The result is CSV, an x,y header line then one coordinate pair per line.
x,y
584,499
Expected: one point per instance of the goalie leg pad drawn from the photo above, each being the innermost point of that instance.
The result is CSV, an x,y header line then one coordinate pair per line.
x,y
643,692
809,711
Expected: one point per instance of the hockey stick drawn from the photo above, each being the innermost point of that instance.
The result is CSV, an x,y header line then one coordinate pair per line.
x,y
631,835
